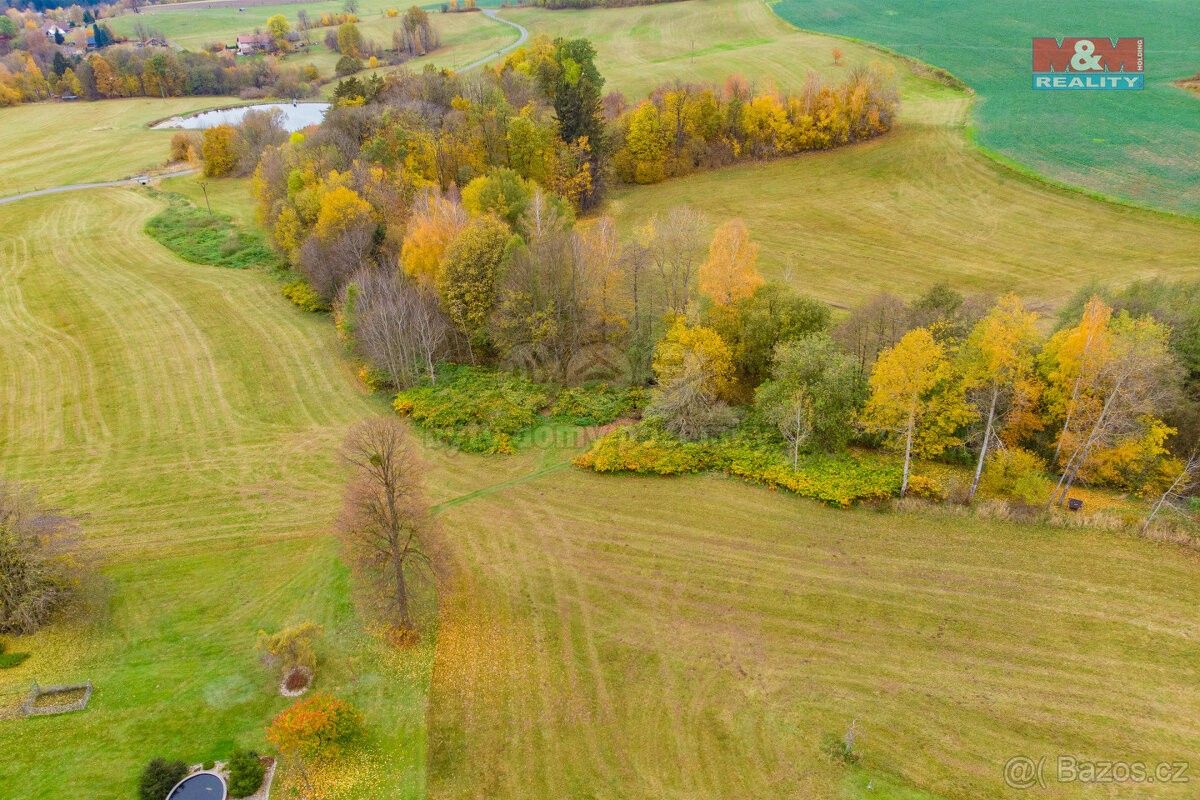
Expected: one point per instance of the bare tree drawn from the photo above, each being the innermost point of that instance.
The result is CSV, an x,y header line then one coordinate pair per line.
x,y
399,327
676,246
41,565
687,406
873,327
329,265
1181,490
386,523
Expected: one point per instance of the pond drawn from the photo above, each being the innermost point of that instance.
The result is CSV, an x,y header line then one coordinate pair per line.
x,y
201,786
293,116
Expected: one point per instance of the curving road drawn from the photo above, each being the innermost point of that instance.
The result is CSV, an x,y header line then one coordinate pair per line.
x,y
490,13
72,187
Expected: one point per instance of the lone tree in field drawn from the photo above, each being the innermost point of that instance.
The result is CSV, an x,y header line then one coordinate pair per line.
x,y
916,399
385,521
41,567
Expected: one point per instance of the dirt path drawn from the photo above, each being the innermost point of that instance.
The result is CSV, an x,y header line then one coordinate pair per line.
x,y
72,187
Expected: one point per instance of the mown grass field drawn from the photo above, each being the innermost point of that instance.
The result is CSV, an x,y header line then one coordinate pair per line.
x,y
50,144
1138,145
192,417
920,206
642,47
694,638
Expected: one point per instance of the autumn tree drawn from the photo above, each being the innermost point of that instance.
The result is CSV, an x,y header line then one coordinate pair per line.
x,y
501,192
916,401
675,246
872,327
753,326
342,209
313,729
349,40
813,394
1071,363
467,280
386,524
1128,387
996,359
687,403
278,29
647,143
219,149
683,341
436,221
291,647
730,272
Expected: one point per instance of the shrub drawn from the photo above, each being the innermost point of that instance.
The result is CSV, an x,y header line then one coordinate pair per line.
x,y
648,449
1016,473
595,404
476,410
319,725
159,777
347,65
926,489
246,772
291,647
202,238
303,296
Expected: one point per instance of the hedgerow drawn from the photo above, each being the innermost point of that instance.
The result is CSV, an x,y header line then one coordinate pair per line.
x,y
476,410
203,238
839,480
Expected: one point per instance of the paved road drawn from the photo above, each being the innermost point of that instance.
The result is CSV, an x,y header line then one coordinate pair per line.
x,y
490,13
74,187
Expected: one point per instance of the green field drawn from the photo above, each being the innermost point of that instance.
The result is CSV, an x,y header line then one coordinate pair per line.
x,y
192,416
1140,146
51,144
642,47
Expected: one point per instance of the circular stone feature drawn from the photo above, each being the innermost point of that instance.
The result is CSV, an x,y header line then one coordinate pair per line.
x,y
201,786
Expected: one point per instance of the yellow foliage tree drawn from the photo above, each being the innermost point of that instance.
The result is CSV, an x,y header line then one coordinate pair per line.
x,y
646,142
996,359
731,271
341,209
219,151
435,222
684,342
917,401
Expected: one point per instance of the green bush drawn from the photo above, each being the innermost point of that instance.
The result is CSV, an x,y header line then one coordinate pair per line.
x,y
246,773
475,409
838,480
11,660
595,404
303,296
159,777
1016,474
202,238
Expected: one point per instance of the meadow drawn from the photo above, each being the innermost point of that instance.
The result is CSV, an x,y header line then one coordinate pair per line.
x,y
1138,146
51,144
191,417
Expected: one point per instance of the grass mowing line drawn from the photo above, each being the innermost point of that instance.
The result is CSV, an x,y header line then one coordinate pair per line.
x,y
499,487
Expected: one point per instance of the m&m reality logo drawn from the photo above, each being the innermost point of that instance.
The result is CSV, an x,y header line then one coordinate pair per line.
x,y
1093,62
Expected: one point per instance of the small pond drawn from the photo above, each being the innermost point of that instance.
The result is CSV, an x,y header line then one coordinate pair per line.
x,y
293,117
201,786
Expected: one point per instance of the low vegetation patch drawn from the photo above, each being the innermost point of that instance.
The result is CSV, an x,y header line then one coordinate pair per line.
x,y
474,409
10,660
303,296
648,449
595,404
203,238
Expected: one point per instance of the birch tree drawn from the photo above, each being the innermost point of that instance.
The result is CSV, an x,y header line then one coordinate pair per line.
x,y
916,400
996,357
